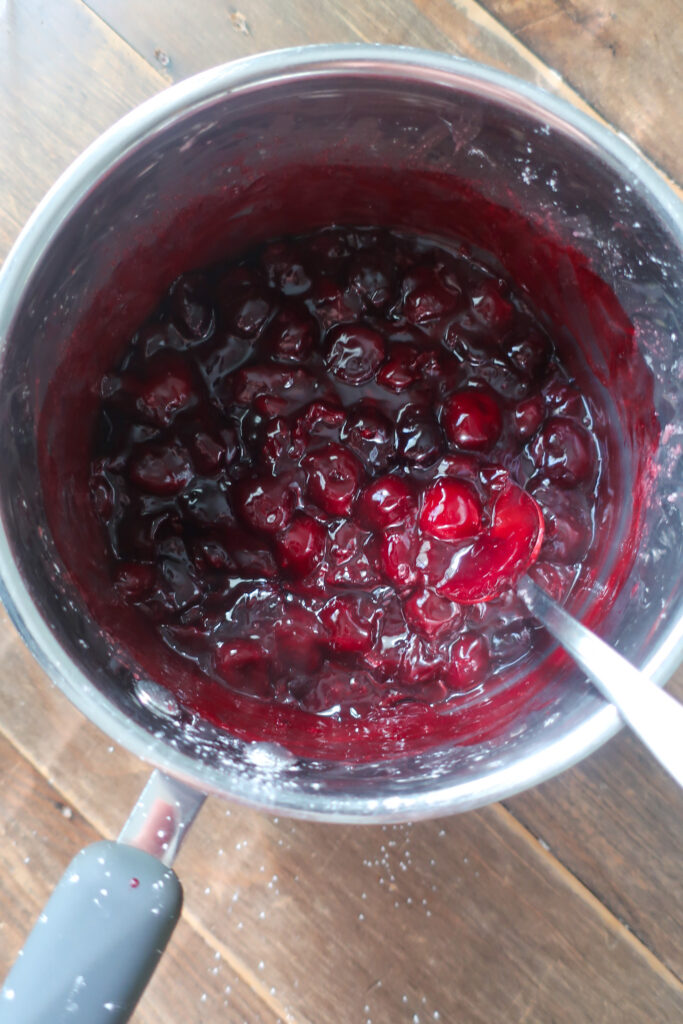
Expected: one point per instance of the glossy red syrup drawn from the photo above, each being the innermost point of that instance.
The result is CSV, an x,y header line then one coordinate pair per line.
x,y
592,528
321,469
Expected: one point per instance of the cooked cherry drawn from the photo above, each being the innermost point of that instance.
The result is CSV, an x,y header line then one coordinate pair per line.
x,y
387,501
418,437
291,335
530,352
430,614
354,353
307,467
347,629
528,416
469,661
244,666
370,435
302,545
191,306
265,504
371,276
398,557
451,510
161,469
248,312
568,524
333,479
564,451
401,369
472,419
490,307
426,295
481,570
284,269
168,389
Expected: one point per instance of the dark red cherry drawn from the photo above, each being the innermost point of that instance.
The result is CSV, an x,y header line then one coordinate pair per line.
x,y
469,662
243,664
134,579
333,479
301,547
484,568
161,469
528,416
265,504
353,353
370,435
564,451
191,306
284,268
472,419
450,510
398,554
347,629
259,380
562,399
430,614
568,524
419,440
168,388
387,501
275,443
247,312
299,640
331,304
371,277
401,368
292,335
530,353
490,307
427,295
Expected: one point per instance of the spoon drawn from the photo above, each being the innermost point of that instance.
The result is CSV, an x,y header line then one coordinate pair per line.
x,y
653,714
512,543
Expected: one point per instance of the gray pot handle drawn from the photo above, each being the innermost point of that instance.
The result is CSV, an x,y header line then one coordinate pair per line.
x,y
98,940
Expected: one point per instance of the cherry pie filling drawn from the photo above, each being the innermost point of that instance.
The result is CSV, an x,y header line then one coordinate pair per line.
x,y
322,468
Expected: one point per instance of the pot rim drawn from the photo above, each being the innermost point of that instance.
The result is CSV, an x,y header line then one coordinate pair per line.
x,y
378,61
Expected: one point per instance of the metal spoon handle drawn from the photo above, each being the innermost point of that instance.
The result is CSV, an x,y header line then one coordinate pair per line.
x,y
653,714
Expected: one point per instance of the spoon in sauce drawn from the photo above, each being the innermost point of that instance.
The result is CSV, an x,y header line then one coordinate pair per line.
x,y
504,553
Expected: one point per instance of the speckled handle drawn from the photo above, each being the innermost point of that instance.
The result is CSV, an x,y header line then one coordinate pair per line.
x,y
97,942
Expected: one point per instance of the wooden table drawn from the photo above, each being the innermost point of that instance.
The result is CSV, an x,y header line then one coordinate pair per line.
x,y
561,905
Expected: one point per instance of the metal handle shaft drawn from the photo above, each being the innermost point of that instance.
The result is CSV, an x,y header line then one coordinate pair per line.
x,y
653,714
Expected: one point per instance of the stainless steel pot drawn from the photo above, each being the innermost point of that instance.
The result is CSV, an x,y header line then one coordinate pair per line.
x,y
235,126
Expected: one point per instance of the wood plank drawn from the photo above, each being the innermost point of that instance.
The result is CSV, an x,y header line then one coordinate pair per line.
x,y
624,56
462,27
39,834
64,78
469,917
615,821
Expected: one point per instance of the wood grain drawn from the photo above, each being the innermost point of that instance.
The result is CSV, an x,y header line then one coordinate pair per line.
x,y
465,27
625,58
64,78
616,822
39,834
563,906
469,914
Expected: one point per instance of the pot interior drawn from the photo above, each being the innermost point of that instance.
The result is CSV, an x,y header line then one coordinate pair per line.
x,y
416,148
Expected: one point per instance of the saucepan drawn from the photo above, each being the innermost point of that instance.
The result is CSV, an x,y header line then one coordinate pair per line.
x,y
195,165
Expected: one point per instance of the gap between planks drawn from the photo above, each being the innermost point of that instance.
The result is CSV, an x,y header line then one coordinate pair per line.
x,y
580,889
509,821
238,966
482,18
